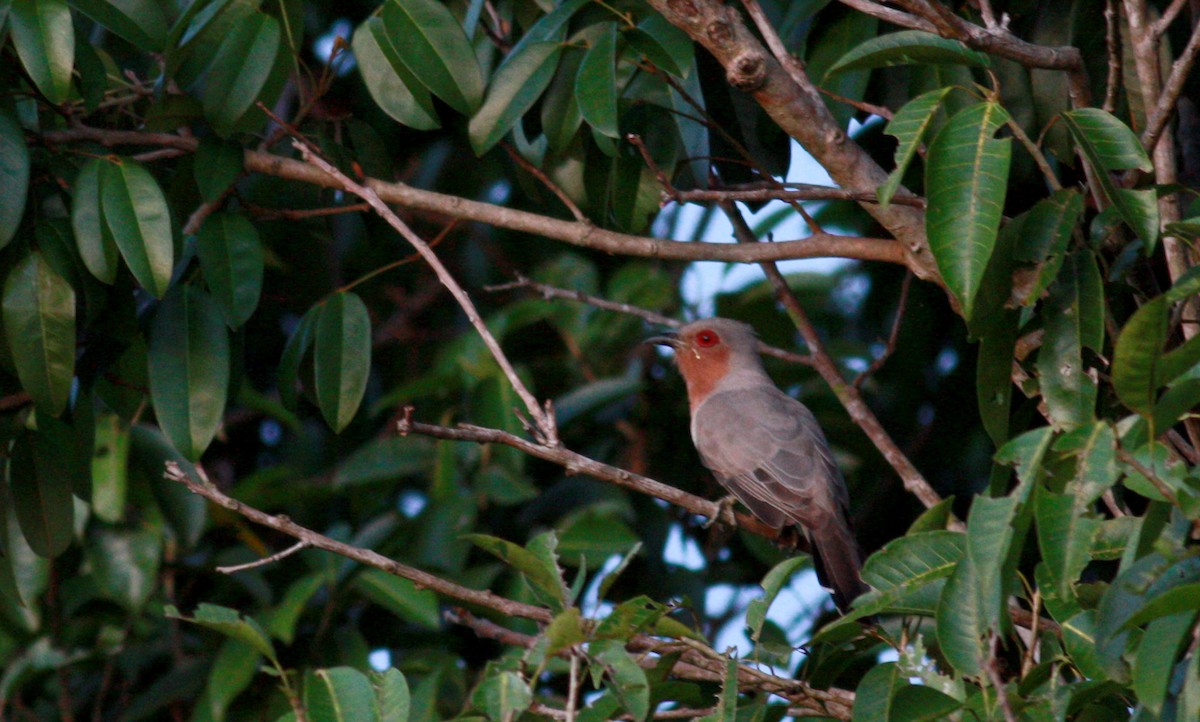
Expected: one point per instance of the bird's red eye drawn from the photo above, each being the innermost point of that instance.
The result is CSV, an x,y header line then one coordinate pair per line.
x,y
706,338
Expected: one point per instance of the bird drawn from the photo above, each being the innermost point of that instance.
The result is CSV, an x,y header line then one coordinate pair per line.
x,y
765,447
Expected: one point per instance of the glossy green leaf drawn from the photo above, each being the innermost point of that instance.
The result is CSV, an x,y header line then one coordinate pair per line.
x,y
186,512
629,682
515,87
39,323
230,623
341,357
96,244
434,48
218,165
966,181
909,127
14,168
1042,240
543,575
388,79
231,256
141,22
1139,365
41,499
1066,531
503,696
993,376
392,698
1109,146
779,575
908,47
1074,316
294,351
241,71
124,563
663,44
1157,656
110,473
135,212
189,369
401,597
596,84
44,36
873,696
339,694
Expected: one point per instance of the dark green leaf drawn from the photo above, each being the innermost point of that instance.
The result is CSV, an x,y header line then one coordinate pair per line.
x,y
1066,531
141,22
294,351
1074,316
1156,658
185,511
232,671
543,575
1139,365
909,126
401,597
14,168
231,256
341,357
514,88
96,245
340,694
135,213
391,695
628,679
503,696
39,323
241,72
596,85
44,37
873,696
966,180
663,44
388,80
779,575
280,620
125,563
218,165
189,369
433,47
41,499
1042,241
230,623
908,47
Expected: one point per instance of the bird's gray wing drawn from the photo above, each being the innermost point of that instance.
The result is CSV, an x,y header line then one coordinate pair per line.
x,y
768,450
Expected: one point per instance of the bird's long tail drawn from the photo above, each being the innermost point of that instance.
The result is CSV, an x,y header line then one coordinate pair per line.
x,y
838,560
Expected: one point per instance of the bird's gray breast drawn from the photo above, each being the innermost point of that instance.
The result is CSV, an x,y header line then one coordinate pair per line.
x,y
768,450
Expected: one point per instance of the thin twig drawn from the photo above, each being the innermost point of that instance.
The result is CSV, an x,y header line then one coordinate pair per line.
x,y
888,350
1159,27
993,673
549,292
1158,483
789,192
544,426
1112,40
422,579
544,179
298,546
1156,121
573,686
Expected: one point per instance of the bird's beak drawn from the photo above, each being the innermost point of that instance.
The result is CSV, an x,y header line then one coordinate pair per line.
x,y
667,339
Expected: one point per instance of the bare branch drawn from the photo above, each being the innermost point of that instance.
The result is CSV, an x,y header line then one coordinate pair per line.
x,y
890,15
1159,27
792,192
298,546
1156,122
422,579
545,426
1112,40
991,666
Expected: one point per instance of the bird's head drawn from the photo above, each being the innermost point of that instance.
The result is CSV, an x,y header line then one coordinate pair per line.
x,y
708,350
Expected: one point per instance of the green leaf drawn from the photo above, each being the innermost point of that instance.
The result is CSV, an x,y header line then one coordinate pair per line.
x,y
397,92
39,323
231,256
771,584
135,213
41,499
908,47
341,357
873,696
434,48
966,180
392,699
44,37
909,126
14,168
386,458
97,247
217,166
1074,316
124,563
401,597
1109,145
515,87
663,44
280,620
1156,658
1066,531
230,623
184,511
1042,241
727,706
543,575
1185,597
189,369
294,351
596,84
141,22
503,696
232,671
241,72
1139,365
564,631
629,682
339,694
110,472
993,376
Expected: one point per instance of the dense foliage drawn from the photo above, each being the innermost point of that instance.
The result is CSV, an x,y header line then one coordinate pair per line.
x,y
323,396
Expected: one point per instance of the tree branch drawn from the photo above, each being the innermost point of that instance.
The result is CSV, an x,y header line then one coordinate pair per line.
x,y
817,245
